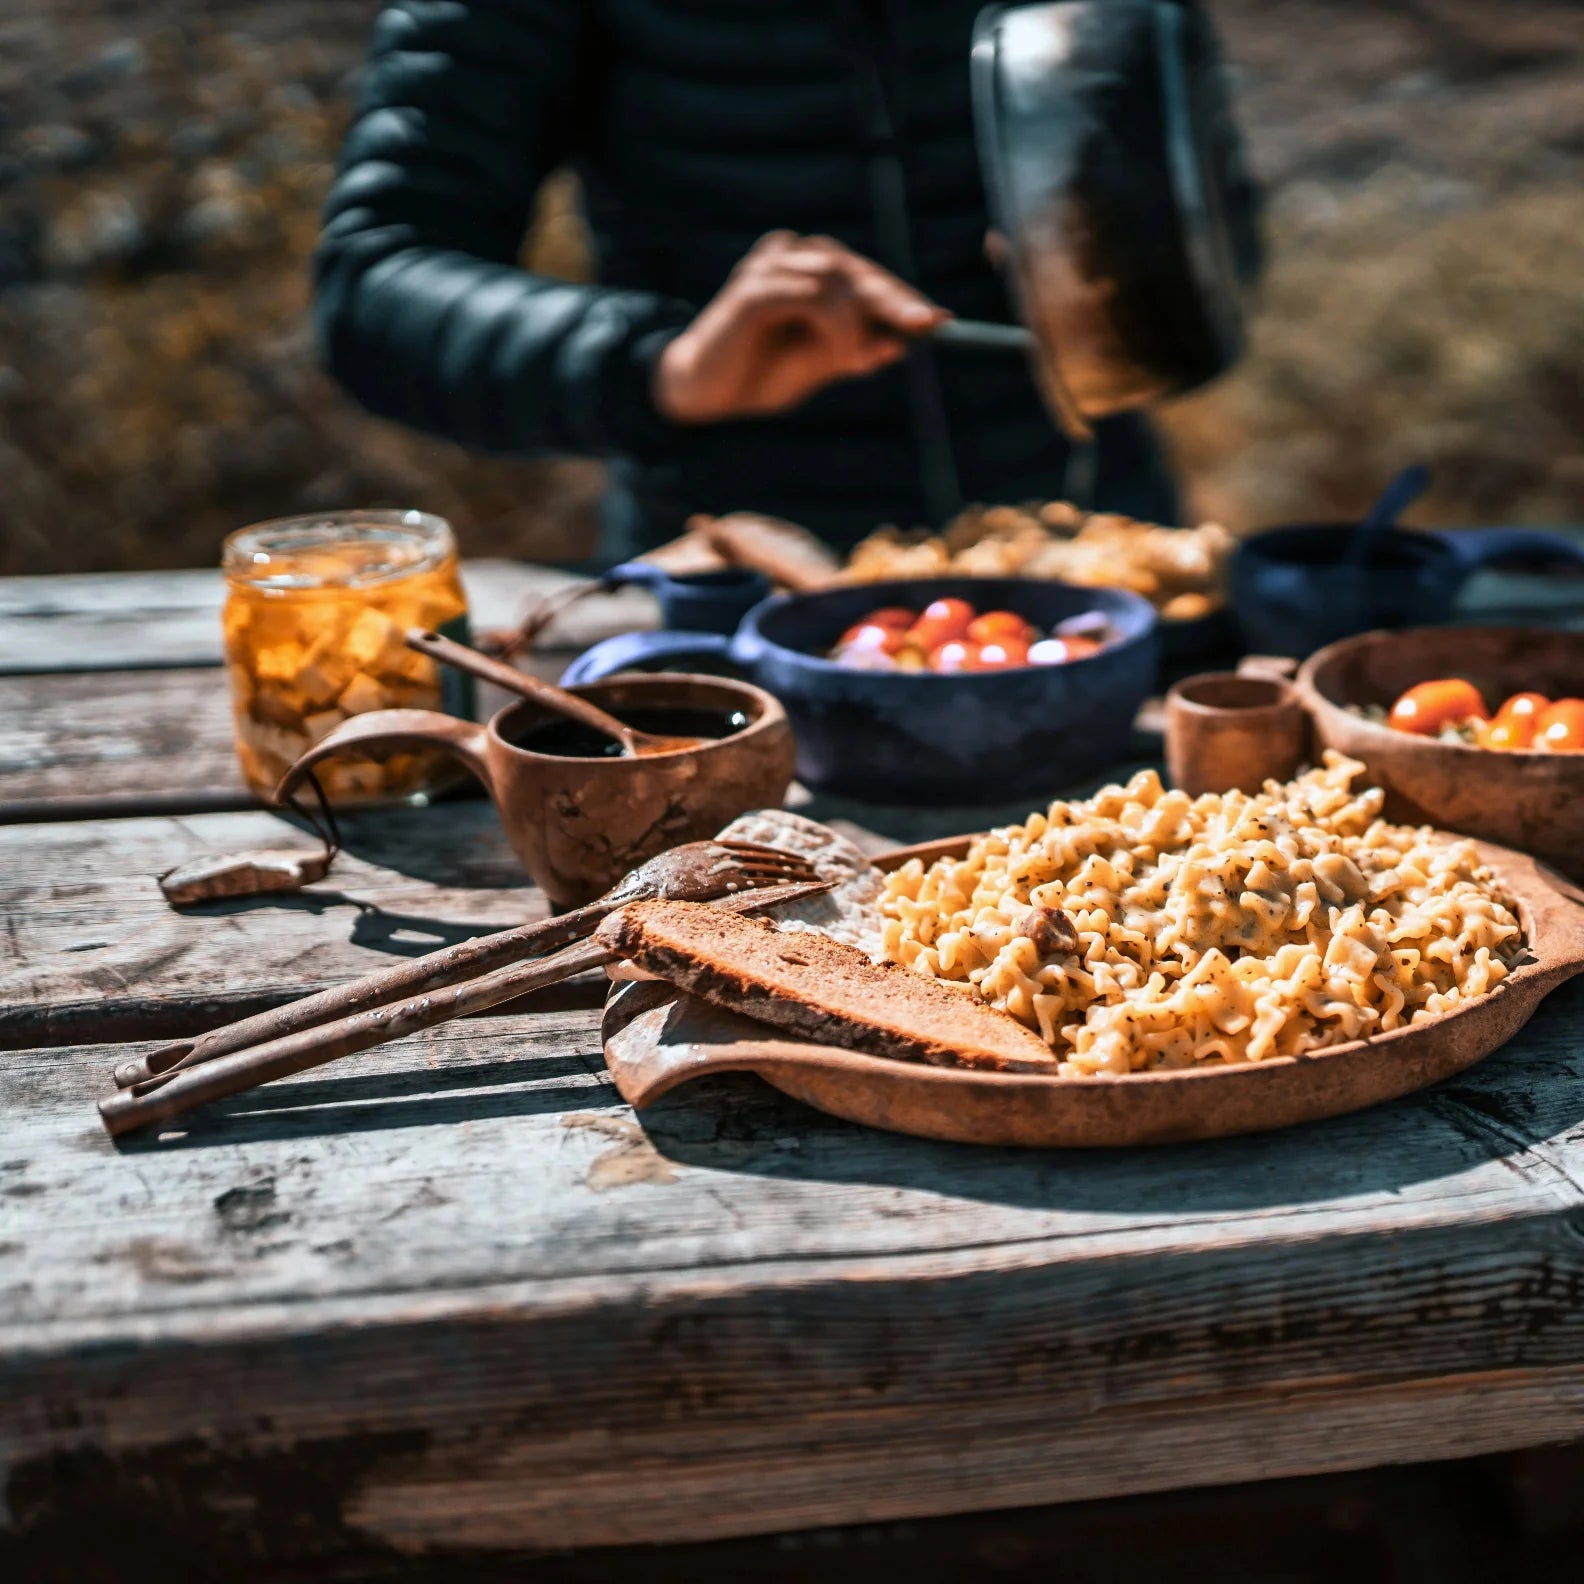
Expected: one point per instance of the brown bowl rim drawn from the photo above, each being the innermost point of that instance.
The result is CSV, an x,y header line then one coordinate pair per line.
x,y
771,715
1309,691
1530,967
1285,700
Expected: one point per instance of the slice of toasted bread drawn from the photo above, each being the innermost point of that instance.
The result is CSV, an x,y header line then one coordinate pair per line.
x,y
820,988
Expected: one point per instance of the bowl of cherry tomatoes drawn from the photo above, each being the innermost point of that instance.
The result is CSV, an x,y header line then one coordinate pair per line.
x,y
950,636
1472,729
954,690
1453,709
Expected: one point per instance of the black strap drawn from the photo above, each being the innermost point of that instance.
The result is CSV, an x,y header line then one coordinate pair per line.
x,y
871,29
322,819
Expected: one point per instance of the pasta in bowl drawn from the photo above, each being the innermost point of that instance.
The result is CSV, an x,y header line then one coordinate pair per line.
x,y
1142,929
1367,961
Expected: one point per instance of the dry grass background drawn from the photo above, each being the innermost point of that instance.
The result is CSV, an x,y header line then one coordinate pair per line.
x,y
162,164
1425,169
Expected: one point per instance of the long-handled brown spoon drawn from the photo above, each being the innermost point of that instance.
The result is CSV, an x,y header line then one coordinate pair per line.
x,y
695,872
162,1098
547,694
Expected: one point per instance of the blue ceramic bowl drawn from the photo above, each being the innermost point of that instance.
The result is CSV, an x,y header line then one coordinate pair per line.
x,y
916,737
712,602
1294,592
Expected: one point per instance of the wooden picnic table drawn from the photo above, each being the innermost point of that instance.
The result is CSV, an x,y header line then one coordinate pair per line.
x,y
453,1295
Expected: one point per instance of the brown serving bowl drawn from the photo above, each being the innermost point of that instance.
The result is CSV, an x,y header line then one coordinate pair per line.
x,y
1529,800
579,824
657,1037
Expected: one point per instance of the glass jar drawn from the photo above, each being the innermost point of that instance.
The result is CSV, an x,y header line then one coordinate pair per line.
x,y
316,614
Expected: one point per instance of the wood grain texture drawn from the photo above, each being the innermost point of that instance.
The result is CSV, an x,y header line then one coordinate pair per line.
x,y
150,620
112,703
91,743
89,948
468,1295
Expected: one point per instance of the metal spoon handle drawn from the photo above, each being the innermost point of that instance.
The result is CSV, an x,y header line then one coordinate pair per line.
x,y
982,335
547,694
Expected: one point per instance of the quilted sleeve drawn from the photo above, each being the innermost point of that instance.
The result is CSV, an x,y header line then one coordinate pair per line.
x,y
420,310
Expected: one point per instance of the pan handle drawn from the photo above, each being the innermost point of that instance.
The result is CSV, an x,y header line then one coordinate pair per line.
x,y
1489,547
982,336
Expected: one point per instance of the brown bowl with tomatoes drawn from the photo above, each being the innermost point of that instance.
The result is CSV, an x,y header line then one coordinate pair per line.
x,y
1471,729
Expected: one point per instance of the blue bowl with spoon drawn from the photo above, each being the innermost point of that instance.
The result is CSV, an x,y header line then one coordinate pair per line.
x,y
1296,589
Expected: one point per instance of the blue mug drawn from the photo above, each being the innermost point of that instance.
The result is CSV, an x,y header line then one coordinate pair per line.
x,y
922,738
1293,592
711,602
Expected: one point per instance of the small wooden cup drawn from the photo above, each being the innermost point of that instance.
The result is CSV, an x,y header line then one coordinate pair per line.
x,y
1225,731
579,825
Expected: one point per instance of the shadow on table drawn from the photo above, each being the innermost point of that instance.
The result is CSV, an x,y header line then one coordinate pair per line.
x,y
377,928
377,1101
1504,1106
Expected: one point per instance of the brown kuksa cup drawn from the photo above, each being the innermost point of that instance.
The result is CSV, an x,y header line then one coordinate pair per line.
x,y
579,824
1228,732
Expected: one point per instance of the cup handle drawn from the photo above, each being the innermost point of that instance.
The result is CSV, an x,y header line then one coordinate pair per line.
x,y
397,728
1277,668
644,573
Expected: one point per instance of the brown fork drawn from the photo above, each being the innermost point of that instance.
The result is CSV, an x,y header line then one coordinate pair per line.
x,y
696,872
162,1098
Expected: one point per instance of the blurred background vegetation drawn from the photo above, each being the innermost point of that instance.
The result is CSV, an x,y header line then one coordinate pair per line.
x,y
162,163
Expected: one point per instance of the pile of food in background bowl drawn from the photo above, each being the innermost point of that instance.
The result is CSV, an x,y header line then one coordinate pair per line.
x,y
1180,571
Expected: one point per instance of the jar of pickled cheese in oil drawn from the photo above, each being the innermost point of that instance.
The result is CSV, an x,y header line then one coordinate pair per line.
x,y
316,614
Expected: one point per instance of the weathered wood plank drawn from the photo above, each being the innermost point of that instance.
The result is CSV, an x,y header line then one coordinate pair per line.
x,y
98,742
460,1282
143,620
110,621
89,948
119,744
112,744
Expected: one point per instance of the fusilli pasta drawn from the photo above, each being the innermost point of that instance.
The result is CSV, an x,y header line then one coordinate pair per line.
x,y
1220,929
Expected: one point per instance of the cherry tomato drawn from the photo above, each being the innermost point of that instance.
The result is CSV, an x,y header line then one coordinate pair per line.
x,y
869,635
1058,651
1561,727
1524,706
999,653
1426,709
954,655
890,616
995,625
1507,735
943,620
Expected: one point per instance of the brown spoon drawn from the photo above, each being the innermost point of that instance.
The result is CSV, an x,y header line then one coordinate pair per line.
x,y
547,694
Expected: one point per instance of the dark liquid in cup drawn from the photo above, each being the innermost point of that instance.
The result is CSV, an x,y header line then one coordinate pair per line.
x,y
568,739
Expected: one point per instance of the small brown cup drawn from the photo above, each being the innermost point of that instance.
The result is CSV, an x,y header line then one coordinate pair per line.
x,y
1225,731
578,825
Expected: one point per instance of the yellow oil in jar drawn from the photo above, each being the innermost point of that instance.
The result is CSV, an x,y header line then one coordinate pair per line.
x,y
315,617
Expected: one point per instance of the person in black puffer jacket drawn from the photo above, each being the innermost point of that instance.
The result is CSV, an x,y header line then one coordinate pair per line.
x,y
718,368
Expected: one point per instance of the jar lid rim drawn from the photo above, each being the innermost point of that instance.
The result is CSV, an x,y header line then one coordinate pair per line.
x,y
248,552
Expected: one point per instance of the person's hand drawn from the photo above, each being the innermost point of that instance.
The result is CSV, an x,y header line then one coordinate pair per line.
x,y
796,314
